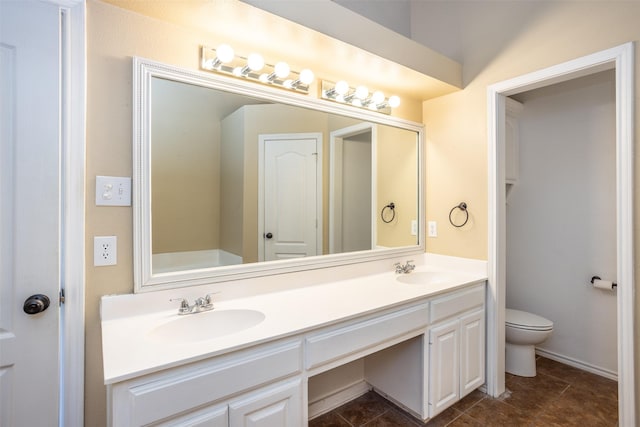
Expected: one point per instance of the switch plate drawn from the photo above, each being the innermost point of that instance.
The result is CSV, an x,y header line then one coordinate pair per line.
x,y
433,229
414,227
105,250
113,191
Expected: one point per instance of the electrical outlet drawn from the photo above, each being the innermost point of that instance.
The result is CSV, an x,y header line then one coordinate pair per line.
x,y
433,229
105,250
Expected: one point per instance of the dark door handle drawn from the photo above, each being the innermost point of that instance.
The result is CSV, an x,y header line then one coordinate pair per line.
x,y
36,304
268,236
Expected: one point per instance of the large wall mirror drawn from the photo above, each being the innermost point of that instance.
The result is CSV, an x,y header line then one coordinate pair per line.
x,y
234,180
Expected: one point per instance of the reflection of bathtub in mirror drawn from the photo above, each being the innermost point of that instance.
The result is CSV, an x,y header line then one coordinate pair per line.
x,y
192,260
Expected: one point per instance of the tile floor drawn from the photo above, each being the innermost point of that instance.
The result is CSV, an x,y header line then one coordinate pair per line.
x,y
559,395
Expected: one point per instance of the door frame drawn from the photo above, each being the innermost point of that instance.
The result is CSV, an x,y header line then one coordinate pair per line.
x,y
261,149
336,137
72,188
620,58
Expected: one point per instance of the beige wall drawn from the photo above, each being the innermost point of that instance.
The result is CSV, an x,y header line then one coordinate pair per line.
x,y
397,171
456,124
232,182
185,181
113,37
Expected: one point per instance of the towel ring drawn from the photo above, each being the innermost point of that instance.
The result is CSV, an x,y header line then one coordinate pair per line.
x,y
391,206
463,207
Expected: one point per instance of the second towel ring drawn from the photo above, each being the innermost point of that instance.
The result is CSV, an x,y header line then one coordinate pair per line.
x,y
463,207
392,207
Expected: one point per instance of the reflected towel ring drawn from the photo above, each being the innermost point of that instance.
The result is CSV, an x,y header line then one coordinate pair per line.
x,y
463,207
392,207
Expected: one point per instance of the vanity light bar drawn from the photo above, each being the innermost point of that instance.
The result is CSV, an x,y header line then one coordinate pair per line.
x,y
358,97
253,67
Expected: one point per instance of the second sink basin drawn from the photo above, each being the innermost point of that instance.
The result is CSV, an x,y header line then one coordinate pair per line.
x,y
424,277
206,325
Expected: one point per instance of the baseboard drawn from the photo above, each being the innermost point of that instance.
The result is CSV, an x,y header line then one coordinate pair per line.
x,y
578,364
338,398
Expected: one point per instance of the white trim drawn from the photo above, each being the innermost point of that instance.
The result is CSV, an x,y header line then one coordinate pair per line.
x,y
612,375
622,59
73,105
337,398
336,139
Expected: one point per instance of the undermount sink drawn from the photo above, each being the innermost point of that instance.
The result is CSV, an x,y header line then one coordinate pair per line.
x,y
206,325
425,277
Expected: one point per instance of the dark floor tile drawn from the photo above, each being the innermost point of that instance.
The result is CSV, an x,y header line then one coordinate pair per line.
x,y
601,386
546,383
465,421
556,369
363,409
494,412
444,418
330,419
393,418
469,400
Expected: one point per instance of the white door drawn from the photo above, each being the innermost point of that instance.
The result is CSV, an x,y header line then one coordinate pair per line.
x,y
290,200
29,212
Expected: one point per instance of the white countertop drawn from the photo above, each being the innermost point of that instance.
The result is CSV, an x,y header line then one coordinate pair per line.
x,y
129,351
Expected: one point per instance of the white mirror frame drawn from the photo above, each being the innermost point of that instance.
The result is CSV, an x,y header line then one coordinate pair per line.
x,y
144,279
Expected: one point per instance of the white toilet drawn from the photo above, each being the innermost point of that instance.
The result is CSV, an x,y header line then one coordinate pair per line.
x,y
523,331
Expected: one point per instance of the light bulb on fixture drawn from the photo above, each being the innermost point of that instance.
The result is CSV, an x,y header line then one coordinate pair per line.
x,y
255,62
394,101
281,70
377,97
362,92
224,54
305,78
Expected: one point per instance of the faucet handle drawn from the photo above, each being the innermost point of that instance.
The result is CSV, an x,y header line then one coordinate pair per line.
x,y
184,305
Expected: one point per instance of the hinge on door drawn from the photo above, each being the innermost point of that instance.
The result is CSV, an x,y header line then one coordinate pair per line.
x,y
61,296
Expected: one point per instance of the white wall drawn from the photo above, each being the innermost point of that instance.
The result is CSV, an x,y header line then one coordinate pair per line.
x,y
561,217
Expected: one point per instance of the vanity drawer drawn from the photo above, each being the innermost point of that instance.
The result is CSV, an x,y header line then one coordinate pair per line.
x,y
158,396
455,303
342,342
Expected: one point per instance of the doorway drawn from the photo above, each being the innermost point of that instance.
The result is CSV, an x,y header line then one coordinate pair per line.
x,y
352,227
620,59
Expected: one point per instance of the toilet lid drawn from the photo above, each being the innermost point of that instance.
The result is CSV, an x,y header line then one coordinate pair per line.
x,y
526,320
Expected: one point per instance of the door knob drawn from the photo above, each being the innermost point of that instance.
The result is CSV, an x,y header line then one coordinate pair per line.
x,y
36,304
268,235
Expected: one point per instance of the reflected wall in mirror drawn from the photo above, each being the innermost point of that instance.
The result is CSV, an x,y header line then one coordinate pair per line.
x,y
233,180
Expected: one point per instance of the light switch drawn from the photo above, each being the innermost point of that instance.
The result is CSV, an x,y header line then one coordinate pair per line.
x,y
113,191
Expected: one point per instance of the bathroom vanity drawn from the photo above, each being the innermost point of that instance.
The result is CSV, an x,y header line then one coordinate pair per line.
x,y
422,341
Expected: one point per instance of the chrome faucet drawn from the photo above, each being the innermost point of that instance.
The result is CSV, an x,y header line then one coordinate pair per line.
x,y
404,269
201,304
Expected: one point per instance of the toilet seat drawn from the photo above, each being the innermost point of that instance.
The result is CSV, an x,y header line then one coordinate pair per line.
x,y
528,321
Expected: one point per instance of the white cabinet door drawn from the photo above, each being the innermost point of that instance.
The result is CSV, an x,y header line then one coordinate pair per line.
x,y
217,416
276,406
443,366
471,352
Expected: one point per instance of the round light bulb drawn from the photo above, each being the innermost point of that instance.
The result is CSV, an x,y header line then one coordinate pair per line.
x,y
362,92
306,76
281,70
288,83
264,78
237,71
356,102
255,62
377,97
340,98
394,101
341,87
224,53
209,64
